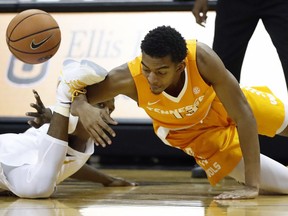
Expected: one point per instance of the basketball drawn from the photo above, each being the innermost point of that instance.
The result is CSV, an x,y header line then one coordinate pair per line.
x,y
33,36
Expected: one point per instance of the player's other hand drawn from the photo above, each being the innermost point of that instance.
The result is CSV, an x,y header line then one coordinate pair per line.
x,y
246,193
42,115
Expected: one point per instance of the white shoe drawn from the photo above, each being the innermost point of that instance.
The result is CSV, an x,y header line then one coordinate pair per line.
x,y
77,75
63,95
83,73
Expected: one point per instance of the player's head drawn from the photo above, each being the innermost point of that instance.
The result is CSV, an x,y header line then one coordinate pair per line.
x,y
165,41
107,104
163,53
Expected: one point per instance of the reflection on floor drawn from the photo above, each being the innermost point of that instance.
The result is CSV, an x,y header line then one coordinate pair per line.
x,y
160,192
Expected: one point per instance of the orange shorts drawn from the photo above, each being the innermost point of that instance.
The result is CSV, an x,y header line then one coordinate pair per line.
x,y
214,142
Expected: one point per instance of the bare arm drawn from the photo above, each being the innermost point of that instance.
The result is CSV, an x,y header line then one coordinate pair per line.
x,y
118,81
89,173
230,94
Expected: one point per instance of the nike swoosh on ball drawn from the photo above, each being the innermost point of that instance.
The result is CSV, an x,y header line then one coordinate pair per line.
x,y
37,45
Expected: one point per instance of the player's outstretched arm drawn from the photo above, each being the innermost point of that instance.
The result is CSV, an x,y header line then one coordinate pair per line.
x,y
229,93
89,173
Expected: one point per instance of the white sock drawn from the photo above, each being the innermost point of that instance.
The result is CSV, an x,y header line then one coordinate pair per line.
x,y
63,110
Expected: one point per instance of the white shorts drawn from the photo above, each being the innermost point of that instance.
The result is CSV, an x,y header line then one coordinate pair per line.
x,y
19,149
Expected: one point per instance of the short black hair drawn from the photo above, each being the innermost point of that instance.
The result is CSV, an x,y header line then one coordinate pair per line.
x,y
163,41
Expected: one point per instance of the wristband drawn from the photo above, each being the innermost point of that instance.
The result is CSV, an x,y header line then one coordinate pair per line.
x,y
62,110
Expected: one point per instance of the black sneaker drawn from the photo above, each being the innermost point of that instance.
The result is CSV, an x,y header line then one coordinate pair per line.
x,y
198,172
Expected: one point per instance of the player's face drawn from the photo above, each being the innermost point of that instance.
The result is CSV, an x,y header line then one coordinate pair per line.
x,y
161,73
109,104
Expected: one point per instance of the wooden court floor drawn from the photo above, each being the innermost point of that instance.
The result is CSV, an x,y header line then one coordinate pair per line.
x,y
160,193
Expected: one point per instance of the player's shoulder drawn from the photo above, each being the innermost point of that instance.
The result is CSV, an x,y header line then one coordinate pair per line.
x,y
120,71
204,53
202,47
120,74
122,80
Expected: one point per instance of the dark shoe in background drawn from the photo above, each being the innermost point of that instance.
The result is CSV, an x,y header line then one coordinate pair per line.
x,y
198,172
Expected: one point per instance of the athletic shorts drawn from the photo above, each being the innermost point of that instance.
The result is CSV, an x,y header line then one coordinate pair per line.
x,y
22,149
214,142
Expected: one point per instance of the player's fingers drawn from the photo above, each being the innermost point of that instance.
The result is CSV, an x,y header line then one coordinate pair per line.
x,y
33,124
202,20
37,107
100,137
226,196
34,91
38,99
107,128
198,19
33,114
99,134
196,13
108,119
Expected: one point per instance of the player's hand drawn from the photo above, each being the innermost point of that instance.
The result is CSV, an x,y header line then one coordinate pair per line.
x,y
43,114
200,11
119,182
105,115
95,121
246,193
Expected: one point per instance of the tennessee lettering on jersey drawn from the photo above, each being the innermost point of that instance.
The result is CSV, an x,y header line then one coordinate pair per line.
x,y
181,112
212,170
191,105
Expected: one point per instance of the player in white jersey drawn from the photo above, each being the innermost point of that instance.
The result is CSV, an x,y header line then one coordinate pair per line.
x,y
34,162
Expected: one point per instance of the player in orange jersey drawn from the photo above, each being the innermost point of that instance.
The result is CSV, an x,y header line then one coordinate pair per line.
x,y
197,105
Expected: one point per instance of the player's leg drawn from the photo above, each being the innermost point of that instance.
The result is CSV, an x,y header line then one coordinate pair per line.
x,y
235,23
39,179
273,175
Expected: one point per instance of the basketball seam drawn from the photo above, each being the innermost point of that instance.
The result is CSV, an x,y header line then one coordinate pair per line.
x,y
33,34
8,36
33,53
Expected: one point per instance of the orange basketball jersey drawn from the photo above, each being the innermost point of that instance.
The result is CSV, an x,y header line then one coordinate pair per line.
x,y
196,120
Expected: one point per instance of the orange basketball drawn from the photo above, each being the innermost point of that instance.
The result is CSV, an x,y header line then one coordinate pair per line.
x,y
33,36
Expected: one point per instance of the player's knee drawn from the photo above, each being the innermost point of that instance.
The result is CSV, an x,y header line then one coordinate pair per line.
x,y
284,132
35,191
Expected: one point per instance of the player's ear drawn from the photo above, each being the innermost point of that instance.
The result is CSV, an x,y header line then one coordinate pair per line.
x,y
181,66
